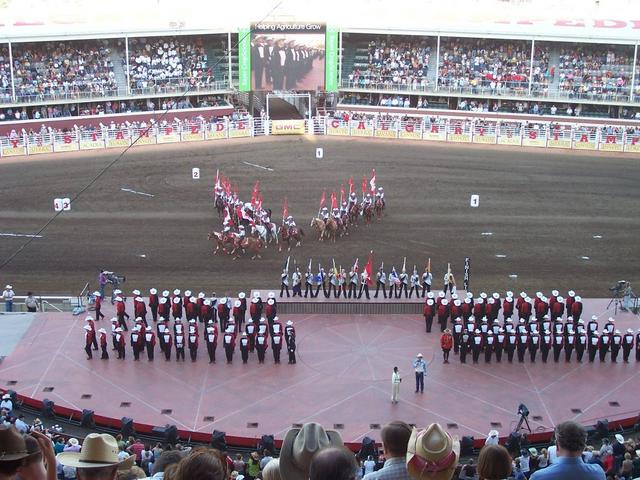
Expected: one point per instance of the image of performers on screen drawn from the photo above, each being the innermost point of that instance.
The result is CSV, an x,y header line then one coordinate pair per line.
x,y
287,61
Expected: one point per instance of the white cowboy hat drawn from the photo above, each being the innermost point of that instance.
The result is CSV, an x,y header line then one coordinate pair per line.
x,y
201,295
118,299
237,303
193,299
419,355
165,293
176,291
98,450
432,454
163,300
271,295
289,322
256,294
619,438
9,287
187,293
136,292
241,295
153,291
97,294
300,445
176,300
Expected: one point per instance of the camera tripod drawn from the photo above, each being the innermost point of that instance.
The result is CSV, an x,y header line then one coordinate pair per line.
x,y
525,421
616,300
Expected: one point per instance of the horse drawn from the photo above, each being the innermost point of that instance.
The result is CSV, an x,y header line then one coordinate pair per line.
x,y
221,240
379,208
272,232
330,229
253,245
354,212
261,232
320,226
287,234
367,213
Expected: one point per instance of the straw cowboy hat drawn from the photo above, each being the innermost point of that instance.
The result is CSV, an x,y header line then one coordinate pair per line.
x,y
12,445
98,450
432,454
299,446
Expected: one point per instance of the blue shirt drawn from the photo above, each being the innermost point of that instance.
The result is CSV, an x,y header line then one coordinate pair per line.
x,y
420,366
570,468
394,469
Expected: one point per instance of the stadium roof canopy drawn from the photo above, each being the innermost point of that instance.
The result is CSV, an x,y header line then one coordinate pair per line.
x,y
615,21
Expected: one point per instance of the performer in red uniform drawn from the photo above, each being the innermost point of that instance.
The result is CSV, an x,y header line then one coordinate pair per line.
x,y
276,346
153,303
443,314
557,310
289,332
211,338
568,303
176,307
429,312
199,309
121,313
164,308
476,345
206,312
167,341
137,341
192,338
98,305
89,321
179,341
229,342
576,308
244,347
627,345
558,341
191,309
120,342
250,330
103,344
149,342
242,315
446,343
89,338
140,310
254,310
261,346
507,307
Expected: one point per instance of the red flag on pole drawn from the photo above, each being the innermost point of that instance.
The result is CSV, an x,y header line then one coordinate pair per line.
x,y
341,194
235,190
285,209
372,182
334,201
350,186
364,185
323,199
255,193
227,187
368,268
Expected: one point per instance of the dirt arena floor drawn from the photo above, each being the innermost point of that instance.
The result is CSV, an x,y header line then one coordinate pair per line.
x,y
542,207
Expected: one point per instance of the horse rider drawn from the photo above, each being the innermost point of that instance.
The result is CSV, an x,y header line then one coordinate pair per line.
x,y
324,214
366,202
380,195
353,200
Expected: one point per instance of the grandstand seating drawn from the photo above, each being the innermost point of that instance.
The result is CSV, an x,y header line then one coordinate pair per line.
x,y
53,70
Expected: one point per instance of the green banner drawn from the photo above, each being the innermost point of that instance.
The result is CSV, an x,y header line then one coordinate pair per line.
x,y
331,60
244,59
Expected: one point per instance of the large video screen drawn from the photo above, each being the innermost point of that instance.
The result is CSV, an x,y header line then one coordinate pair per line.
x,y
287,56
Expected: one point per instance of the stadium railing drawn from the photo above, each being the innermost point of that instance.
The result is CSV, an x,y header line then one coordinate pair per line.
x,y
585,136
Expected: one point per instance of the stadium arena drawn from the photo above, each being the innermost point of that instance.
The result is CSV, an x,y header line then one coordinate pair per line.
x,y
244,155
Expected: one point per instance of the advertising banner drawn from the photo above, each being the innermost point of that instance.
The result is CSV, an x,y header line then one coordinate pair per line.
x,y
361,128
585,140
288,127
217,131
386,129
611,142
331,61
244,59
412,131
337,127
287,56
534,137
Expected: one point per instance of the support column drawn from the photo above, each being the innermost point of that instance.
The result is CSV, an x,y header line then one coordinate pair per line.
x,y
13,83
126,53
533,46
633,74
437,62
229,71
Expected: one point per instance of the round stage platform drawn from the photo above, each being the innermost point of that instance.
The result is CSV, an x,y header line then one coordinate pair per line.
x,y
342,380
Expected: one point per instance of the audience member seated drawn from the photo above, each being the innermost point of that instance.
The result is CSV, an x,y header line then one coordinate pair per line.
x,y
594,71
54,69
496,66
173,61
394,62
5,76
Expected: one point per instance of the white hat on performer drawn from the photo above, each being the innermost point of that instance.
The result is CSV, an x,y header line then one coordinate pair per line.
x,y
289,322
612,320
118,299
237,303
555,293
176,291
595,332
117,291
114,320
176,300
441,294
97,294
193,320
138,299
9,287
187,293
491,301
256,294
162,319
163,300
193,299
223,300
480,300
523,294
454,296
149,329
477,331
210,322
241,295
509,293
244,334
578,298
271,301
419,355
153,291
87,318
229,330
496,296
617,331
445,301
207,302
594,317
547,332
483,295
430,301
136,292
560,299
469,295
456,302
201,295
87,327
165,293
539,294
250,320
254,300
571,293
467,300
629,330
119,329
275,319
527,299
138,319
496,322
430,295
102,330
271,295
581,322
262,320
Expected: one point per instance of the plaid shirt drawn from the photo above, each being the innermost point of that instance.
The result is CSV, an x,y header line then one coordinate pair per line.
x,y
393,469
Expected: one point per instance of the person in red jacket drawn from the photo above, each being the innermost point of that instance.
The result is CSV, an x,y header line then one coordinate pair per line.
x,y
569,301
137,341
206,312
557,309
507,307
103,344
140,310
240,319
120,342
89,338
429,311
149,342
229,342
200,303
456,309
478,308
270,310
276,327
89,321
576,308
153,303
121,313
191,309
446,343
98,305
254,310
443,314
164,308
458,328
176,307
467,309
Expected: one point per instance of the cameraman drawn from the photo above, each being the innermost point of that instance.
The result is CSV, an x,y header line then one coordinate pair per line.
x,y
102,281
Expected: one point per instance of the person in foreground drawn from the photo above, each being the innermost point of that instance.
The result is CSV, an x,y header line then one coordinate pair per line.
x,y
98,458
571,439
395,438
432,454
